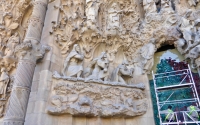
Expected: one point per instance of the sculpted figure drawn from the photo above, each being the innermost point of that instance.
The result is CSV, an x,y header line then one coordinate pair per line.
x,y
166,6
113,17
73,63
92,10
193,2
100,68
12,43
180,45
147,53
186,27
4,80
149,6
121,72
193,54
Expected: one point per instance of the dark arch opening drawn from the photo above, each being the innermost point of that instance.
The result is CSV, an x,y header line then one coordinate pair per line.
x,y
165,47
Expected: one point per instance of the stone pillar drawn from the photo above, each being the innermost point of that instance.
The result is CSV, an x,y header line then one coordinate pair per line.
x,y
28,52
15,114
37,20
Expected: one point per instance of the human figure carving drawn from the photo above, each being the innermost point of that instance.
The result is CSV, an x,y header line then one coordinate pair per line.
x,y
113,17
193,54
121,72
73,63
180,45
149,6
12,43
4,80
100,71
147,53
92,10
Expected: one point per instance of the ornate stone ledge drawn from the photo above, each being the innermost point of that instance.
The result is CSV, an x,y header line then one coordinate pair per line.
x,y
103,99
109,83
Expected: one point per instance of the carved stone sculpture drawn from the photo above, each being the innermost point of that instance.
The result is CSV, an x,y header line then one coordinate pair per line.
x,y
4,80
193,2
145,59
12,43
186,27
181,45
113,17
149,6
122,72
95,99
73,63
92,11
86,85
99,68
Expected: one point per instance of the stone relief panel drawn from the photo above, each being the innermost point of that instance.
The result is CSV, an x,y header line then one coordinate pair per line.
x,y
104,49
94,99
105,45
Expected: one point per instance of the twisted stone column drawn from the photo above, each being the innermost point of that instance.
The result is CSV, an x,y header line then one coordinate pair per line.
x,y
28,52
18,102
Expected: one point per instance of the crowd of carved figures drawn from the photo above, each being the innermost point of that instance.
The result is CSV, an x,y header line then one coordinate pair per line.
x,y
118,25
98,68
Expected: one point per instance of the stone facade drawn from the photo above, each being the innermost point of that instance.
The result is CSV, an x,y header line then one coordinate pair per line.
x,y
85,62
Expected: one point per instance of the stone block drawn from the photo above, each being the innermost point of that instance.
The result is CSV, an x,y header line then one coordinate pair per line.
x,y
79,121
40,106
105,121
93,121
30,108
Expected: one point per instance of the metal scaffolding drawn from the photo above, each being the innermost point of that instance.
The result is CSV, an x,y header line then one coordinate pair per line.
x,y
186,81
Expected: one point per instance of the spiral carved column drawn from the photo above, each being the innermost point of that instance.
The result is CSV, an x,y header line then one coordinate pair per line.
x,y
18,102
29,51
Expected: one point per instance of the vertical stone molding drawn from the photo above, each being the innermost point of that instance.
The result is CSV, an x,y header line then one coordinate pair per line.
x,y
18,102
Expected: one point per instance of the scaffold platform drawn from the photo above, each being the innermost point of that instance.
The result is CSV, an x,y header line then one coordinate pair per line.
x,y
186,81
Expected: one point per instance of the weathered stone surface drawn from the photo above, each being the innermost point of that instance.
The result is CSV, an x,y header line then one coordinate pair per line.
x,y
99,48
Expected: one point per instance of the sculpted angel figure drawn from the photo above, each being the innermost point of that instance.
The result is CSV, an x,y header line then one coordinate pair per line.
x,y
4,80
121,72
73,65
100,68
